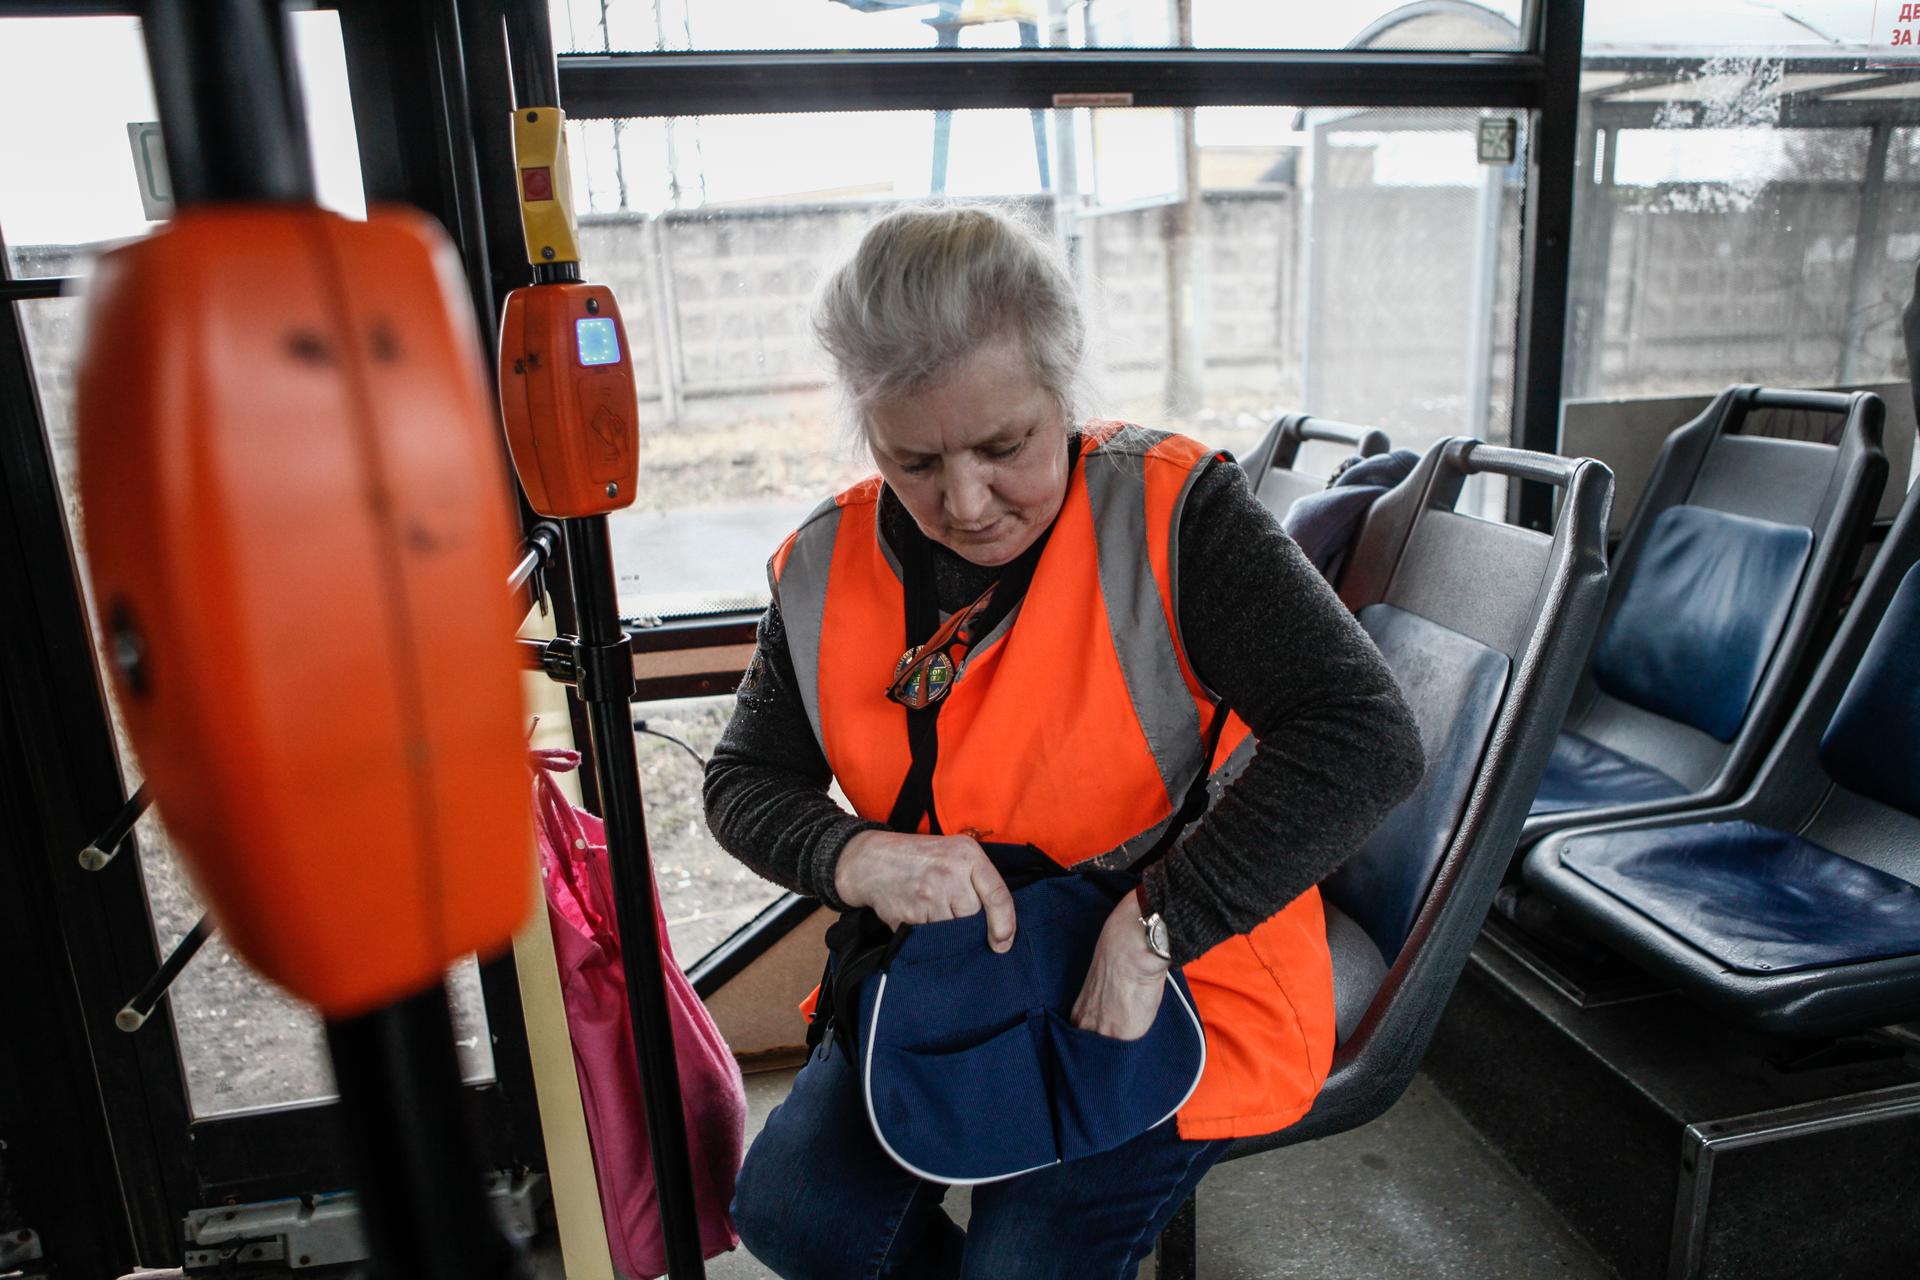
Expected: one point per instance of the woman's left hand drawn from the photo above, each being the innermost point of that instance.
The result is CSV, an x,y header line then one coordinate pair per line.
x,y
1126,979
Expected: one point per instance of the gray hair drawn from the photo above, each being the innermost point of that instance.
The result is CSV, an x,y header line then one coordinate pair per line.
x,y
928,286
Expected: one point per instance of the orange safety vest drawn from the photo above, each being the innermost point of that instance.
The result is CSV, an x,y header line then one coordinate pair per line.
x,y
1076,725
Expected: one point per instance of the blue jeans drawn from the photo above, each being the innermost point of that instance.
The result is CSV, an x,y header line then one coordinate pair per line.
x,y
819,1200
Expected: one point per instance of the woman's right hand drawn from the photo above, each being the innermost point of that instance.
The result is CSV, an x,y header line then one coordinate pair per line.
x,y
916,879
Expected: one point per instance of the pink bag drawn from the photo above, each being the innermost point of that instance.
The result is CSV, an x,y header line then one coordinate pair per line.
x,y
573,865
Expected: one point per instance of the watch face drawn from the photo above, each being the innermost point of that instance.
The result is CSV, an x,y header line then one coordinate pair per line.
x,y
1157,937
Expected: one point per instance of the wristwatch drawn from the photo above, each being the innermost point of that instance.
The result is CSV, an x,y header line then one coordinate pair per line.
x,y
1157,936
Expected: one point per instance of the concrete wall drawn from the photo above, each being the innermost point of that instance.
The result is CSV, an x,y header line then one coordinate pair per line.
x,y
1696,296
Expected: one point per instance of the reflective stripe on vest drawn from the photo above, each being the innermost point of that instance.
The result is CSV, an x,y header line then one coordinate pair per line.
x,y
1077,726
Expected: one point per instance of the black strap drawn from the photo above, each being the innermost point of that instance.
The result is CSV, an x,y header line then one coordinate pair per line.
x,y
915,797
1196,802
923,740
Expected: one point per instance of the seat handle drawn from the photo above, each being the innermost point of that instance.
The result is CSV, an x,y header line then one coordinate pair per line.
x,y
1296,428
1365,441
1521,464
1806,401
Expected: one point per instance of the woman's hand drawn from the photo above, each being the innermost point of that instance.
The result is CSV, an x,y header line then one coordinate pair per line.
x,y
915,879
1126,980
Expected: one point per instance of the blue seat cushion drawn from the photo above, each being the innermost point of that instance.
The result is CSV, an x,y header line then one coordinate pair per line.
x,y
1872,744
1454,685
1582,774
1703,611
1755,899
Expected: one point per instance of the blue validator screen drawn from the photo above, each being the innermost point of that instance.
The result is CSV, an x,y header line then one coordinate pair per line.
x,y
597,341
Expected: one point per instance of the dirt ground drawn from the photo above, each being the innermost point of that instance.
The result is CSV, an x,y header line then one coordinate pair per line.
x,y
245,1043
810,453
706,892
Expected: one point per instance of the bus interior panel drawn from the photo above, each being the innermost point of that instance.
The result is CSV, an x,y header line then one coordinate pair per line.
x,y
1569,342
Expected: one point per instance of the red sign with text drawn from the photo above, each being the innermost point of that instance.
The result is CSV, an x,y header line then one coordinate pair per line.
x,y
1896,24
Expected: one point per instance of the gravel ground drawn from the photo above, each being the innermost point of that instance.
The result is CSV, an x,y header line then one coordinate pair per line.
x,y
243,1041
706,892
808,452
246,1043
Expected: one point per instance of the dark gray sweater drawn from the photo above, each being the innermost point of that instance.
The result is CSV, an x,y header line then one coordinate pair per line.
x,y
1337,747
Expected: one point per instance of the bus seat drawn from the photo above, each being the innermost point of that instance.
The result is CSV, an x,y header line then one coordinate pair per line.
x,y
1358,969
1724,586
1795,908
1453,684
1488,670
1487,627
1270,467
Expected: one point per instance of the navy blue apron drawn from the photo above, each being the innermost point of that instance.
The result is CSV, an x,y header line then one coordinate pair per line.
x,y
969,1062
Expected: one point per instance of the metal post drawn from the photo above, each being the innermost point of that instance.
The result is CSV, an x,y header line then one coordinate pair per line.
x,y
1866,254
1546,236
1489,206
229,102
603,666
666,321
946,28
425,1202
1587,334
231,114
1186,283
1308,280
1176,1255
605,686
468,206
1066,169
1030,39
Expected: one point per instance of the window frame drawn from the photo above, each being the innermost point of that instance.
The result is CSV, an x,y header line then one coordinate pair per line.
x,y
430,84
1541,78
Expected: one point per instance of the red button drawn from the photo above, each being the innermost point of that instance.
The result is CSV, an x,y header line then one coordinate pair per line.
x,y
538,183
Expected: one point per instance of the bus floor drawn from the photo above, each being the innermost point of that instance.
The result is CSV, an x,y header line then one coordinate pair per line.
x,y
1415,1193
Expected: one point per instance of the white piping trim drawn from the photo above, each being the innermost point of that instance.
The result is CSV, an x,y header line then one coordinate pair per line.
x,y
866,1089
1202,1033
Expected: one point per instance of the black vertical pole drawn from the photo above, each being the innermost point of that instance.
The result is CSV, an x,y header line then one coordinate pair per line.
x,y
230,112
604,661
1546,251
1176,1256
229,103
421,1191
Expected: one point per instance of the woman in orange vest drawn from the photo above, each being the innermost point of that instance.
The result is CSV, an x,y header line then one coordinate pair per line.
x,y
1114,601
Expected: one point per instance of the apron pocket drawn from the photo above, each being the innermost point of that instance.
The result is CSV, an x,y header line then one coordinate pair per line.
x,y
1108,1092
976,1114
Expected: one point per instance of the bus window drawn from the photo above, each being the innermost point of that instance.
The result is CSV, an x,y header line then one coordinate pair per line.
x,y
1356,265
243,1043
1744,214
1360,265
707,893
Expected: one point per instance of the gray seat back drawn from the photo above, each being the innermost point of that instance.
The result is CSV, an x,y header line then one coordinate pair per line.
x,y
1270,467
1487,626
